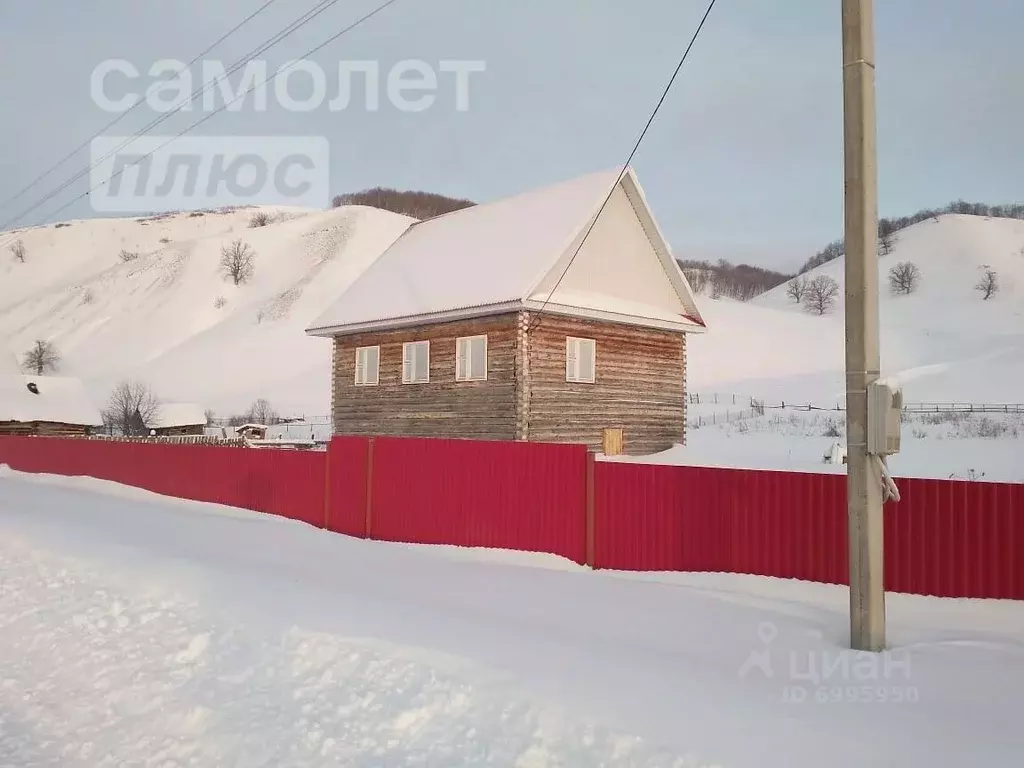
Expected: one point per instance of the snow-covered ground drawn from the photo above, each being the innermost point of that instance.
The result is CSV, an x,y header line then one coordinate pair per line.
x,y
139,630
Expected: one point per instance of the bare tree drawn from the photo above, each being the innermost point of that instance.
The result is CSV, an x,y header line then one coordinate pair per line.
x,y
821,294
238,261
42,358
132,405
259,219
904,277
697,277
19,251
797,288
209,414
262,412
989,283
886,240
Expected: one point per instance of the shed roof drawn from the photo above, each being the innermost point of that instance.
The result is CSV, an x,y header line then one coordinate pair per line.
x,y
170,415
496,256
57,399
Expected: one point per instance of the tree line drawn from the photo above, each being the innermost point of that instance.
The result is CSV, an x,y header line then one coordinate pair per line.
x,y
733,281
414,203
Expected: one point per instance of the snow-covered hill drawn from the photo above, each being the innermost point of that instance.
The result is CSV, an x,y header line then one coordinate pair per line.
x,y
943,341
172,319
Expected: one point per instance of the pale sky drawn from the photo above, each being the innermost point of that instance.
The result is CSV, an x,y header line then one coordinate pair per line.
x,y
744,161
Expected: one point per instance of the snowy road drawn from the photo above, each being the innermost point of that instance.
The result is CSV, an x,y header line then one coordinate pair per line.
x,y
140,631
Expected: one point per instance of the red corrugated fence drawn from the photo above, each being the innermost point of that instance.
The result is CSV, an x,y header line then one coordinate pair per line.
x,y
945,538
286,483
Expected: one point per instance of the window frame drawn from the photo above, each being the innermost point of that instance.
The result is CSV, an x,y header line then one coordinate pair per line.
x,y
407,374
468,340
576,341
376,378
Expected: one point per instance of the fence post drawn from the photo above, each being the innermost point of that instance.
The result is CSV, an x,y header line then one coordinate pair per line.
x,y
368,523
589,495
327,488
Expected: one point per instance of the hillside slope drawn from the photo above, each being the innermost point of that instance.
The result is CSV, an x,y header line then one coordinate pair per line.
x,y
943,341
171,318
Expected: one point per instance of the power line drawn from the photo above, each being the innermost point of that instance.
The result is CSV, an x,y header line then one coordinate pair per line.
x,y
291,28
625,166
122,115
285,68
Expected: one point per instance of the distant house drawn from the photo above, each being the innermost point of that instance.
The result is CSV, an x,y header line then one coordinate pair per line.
x,y
46,405
482,324
172,419
252,431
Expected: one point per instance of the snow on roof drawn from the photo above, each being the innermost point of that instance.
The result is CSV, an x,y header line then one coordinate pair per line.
x,y
58,400
487,256
170,415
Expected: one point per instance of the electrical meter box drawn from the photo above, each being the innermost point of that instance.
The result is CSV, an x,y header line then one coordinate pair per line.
x,y
885,403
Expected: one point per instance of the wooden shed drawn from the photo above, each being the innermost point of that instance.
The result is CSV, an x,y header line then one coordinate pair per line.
x,y
493,323
175,419
46,405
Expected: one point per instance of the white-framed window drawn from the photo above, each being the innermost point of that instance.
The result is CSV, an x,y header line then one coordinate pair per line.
x,y
471,358
416,362
580,359
367,366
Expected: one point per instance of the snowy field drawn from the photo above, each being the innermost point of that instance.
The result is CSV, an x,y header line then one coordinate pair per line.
x,y
139,630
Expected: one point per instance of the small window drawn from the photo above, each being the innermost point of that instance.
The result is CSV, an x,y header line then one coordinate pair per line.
x,y
416,362
367,366
580,360
471,358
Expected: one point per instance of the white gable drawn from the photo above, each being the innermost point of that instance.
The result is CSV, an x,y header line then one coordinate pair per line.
x,y
57,399
620,269
498,256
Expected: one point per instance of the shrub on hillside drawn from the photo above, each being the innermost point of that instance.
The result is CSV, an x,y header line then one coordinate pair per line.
x,y
821,295
904,278
988,284
238,261
797,288
19,251
41,358
259,219
127,256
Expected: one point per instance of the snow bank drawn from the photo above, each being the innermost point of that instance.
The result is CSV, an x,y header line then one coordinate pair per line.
x,y
137,631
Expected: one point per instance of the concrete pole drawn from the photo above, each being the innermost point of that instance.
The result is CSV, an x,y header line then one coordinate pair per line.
x,y
863,480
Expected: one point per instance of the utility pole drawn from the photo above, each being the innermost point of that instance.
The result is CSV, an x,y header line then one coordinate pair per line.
x,y
863,479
